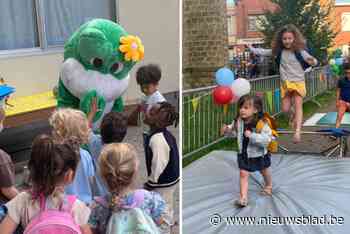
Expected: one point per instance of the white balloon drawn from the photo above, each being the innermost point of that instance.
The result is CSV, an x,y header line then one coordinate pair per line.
x,y
332,61
240,87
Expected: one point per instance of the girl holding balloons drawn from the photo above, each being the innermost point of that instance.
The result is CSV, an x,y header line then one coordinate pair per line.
x,y
289,51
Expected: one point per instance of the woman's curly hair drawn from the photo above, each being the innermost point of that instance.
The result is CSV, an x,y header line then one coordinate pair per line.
x,y
299,40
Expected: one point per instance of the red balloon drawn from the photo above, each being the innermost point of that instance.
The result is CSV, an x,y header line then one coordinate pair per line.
x,y
222,95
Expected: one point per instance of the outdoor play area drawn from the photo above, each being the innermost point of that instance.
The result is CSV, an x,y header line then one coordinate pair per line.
x,y
310,179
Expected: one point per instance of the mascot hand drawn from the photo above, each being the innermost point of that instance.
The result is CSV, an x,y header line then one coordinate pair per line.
x,y
87,101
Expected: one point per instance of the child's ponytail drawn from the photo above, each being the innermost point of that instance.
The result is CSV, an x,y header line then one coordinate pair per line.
x,y
118,165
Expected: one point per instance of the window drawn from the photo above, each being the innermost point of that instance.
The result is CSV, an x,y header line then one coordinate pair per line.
x,y
230,25
63,17
43,24
18,31
345,22
252,23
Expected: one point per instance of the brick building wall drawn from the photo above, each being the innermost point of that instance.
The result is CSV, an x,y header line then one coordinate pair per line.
x,y
343,38
205,41
247,8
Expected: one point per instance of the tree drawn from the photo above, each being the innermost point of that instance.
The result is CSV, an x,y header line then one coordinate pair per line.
x,y
311,19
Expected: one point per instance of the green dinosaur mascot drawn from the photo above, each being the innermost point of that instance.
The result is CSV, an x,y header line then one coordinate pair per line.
x,y
97,60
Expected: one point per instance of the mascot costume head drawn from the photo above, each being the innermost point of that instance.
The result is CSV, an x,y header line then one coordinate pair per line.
x,y
97,60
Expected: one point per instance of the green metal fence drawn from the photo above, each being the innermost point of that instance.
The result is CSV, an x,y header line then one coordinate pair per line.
x,y
202,118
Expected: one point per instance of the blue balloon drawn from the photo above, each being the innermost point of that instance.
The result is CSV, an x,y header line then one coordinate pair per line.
x,y
339,61
224,77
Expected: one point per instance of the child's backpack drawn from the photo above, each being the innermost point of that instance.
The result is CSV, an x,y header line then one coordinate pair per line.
x,y
273,146
299,57
129,220
50,221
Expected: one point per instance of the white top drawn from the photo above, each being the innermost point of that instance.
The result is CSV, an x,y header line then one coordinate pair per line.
x,y
161,152
153,99
150,100
258,142
290,67
22,209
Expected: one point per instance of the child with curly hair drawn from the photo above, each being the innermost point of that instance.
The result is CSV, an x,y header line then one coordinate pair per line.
x,y
69,123
289,51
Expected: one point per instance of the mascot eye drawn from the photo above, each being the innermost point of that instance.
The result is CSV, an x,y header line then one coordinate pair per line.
x,y
97,62
117,67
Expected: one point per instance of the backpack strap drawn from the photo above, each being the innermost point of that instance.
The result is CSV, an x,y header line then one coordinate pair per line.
x,y
42,202
298,56
278,58
301,60
70,200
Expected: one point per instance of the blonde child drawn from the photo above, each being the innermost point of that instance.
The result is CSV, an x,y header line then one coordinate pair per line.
x,y
288,49
70,123
119,169
253,144
52,166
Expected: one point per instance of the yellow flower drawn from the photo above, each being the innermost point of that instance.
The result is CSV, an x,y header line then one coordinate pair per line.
x,y
132,48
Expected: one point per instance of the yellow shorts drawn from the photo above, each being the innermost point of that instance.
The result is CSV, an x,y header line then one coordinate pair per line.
x,y
293,86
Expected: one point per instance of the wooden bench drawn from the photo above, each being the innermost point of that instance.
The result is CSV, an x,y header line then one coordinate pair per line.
x,y
29,109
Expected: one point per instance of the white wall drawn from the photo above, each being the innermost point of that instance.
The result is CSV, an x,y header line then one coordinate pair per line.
x,y
156,22
31,74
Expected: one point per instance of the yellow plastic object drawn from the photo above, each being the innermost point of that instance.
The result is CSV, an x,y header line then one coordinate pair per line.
x,y
30,103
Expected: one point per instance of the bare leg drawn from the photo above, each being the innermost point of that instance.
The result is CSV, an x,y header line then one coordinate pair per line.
x,y
266,173
243,181
341,111
286,103
287,107
298,102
